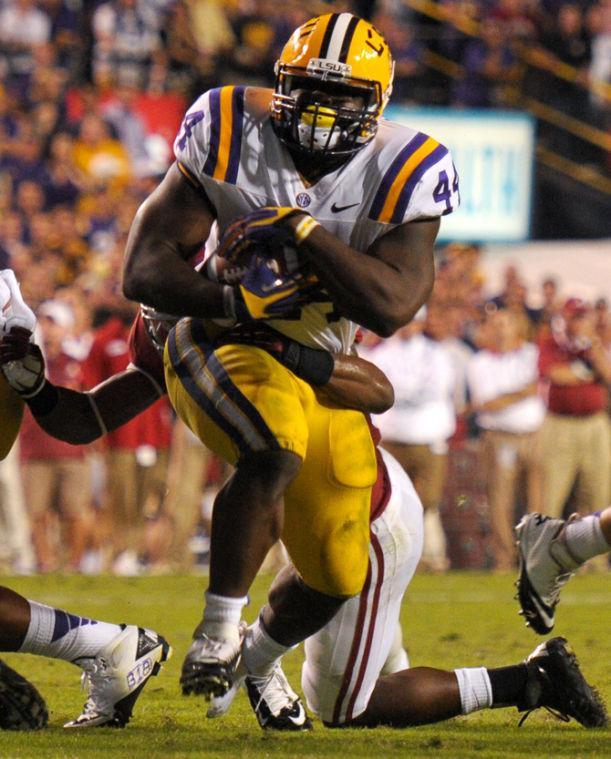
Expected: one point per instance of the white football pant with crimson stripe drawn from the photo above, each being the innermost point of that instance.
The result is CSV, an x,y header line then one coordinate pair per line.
x,y
344,659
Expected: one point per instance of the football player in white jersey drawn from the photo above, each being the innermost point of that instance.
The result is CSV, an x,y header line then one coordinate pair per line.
x,y
313,167
355,671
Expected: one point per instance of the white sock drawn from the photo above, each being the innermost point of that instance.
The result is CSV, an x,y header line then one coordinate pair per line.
x,y
584,538
60,635
260,652
475,688
222,616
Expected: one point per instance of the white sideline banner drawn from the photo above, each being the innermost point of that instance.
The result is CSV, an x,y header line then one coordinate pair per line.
x,y
493,154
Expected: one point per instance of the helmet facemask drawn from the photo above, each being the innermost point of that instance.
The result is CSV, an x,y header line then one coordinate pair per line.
x,y
321,116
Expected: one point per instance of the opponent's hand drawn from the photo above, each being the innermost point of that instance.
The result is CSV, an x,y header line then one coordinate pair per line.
x,y
23,368
21,705
263,226
268,291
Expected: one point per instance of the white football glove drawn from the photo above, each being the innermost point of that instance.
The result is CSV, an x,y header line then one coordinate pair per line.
x,y
17,313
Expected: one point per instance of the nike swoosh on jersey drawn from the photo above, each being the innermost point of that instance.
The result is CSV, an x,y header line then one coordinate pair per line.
x,y
337,209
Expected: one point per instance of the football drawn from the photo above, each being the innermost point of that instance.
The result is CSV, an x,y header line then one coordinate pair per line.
x,y
281,259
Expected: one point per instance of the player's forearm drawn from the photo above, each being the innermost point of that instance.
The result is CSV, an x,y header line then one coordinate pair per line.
x,y
156,274
66,415
382,289
363,289
170,227
358,384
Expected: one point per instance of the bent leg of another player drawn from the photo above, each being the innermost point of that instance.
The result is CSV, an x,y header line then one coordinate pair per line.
x,y
117,660
550,678
550,551
359,634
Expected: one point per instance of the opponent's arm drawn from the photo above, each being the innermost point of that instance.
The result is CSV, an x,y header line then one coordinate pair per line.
x,y
357,384
80,417
76,417
339,379
383,288
169,227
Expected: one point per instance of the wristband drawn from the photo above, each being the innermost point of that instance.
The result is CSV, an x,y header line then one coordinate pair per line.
x,y
304,229
44,400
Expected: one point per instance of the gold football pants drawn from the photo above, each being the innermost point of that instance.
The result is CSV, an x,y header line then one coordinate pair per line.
x,y
238,399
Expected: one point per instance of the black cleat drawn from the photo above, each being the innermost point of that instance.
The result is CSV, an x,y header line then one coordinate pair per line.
x,y
556,683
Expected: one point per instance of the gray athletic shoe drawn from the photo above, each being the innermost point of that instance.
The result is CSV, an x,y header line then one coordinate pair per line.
x,y
545,567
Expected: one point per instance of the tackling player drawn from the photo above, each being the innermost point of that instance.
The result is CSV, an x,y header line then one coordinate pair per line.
x,y
352,676
310,167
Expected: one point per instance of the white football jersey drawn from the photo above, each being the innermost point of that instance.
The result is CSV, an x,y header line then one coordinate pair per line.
x,y
228,145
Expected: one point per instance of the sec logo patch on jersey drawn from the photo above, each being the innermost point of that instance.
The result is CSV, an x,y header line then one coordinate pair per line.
x,y
303,200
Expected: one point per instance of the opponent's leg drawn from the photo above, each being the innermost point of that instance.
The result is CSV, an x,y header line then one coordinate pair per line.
x,y
550,551
117,660
550,677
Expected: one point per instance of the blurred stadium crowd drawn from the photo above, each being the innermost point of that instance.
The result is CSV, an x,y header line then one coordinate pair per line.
x,y
91,96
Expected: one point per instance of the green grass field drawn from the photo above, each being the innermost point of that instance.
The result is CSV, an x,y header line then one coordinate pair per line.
x,y
461,619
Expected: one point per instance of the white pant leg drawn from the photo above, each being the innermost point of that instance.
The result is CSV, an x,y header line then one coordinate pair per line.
x,y
344,659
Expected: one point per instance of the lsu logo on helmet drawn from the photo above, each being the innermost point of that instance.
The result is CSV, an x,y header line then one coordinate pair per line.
x,y
333,81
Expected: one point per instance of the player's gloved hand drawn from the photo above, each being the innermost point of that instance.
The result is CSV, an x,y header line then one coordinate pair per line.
x,y
312,365
269,291
263,226
21,705
15,310
22,363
